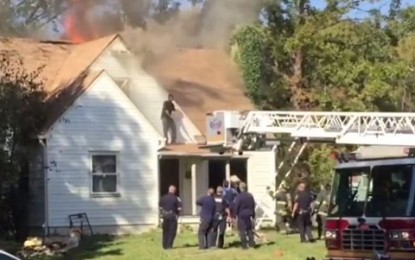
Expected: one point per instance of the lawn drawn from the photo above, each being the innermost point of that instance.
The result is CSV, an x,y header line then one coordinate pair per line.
x,y
148,246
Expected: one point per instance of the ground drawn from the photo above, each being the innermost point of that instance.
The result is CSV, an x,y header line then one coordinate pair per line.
x,y
147,246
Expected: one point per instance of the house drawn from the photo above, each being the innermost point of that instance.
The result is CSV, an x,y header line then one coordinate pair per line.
x,y
102,151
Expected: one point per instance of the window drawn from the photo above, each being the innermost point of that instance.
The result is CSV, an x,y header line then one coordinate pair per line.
x,y
349,192
391,193
104,173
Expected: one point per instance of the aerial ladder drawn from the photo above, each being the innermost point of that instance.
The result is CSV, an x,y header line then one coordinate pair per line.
x,y
352,128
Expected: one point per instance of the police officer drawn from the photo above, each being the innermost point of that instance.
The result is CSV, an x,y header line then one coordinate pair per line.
x,y
170,207
244,208
229,195
219,220
303,207
322,207
283,208
229,192
208,205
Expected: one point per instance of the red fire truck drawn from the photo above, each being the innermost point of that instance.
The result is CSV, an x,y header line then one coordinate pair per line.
x,y
372,209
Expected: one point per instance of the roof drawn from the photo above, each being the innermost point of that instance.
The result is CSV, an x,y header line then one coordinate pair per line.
x,y
64,68
195,150
201,81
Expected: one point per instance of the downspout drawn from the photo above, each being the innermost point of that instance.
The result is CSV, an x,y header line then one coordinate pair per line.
x,y
42,142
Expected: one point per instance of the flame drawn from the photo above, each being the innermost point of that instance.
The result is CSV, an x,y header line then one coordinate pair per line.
x,y
78,27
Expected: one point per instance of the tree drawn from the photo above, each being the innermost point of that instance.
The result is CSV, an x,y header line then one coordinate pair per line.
x,y
22,113
303,58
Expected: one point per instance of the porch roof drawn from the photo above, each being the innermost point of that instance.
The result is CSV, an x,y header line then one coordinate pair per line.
x,y
195,150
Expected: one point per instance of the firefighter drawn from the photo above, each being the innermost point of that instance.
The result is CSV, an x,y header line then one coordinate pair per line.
x,y
322,208
283,208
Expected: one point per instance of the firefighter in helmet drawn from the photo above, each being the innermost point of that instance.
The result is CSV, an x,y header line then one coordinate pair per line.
x,y
322,208
283,208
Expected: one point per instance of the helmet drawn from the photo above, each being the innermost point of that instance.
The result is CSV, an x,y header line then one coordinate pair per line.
x,y
234,178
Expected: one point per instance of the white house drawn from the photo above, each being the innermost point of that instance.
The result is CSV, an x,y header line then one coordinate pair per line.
x,y
102,153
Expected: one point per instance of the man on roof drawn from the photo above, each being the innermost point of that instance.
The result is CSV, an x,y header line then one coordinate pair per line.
x,y
168,121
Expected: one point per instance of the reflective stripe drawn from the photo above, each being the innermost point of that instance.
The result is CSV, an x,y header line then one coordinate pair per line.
x,y
218,200
322,213
281,203
282,212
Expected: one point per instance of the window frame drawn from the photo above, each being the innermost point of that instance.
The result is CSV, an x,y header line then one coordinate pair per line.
x,y
117,174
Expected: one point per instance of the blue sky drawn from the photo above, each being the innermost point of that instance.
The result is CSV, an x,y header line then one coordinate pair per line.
x,y
383,4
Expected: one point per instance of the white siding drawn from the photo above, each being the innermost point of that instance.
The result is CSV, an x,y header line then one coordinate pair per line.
x,y
103,119
261,171
144,91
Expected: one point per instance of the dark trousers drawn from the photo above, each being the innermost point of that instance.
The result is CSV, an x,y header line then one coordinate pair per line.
x,y
304,226
169,125
205,228
246,232
217,236
169,230
321,225
283,223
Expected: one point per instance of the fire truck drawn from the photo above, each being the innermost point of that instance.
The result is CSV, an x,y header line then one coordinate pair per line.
x,y
372,211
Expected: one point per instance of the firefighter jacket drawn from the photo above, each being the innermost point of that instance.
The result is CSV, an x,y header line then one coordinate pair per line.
x,y
322,202
284,202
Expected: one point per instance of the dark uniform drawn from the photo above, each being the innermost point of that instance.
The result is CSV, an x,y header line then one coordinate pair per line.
x,y
304,210
322,203
283,208
207,213
244,208
167,120
169,207
219,223
229,195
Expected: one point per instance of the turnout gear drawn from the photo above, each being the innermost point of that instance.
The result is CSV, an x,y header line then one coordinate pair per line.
x,y
322,203
283,209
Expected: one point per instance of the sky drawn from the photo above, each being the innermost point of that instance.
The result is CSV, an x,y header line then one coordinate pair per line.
x,y
383,4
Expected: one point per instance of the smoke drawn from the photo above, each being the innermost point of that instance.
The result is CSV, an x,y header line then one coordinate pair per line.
x,y
159,27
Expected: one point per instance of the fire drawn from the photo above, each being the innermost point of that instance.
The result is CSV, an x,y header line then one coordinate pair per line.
x,y
78,27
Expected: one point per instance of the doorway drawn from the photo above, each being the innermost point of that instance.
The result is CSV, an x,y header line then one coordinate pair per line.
x,y
217,173
239,168
168,175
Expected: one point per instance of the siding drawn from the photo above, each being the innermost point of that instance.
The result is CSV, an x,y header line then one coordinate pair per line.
x,y
144,91
103,119
261,171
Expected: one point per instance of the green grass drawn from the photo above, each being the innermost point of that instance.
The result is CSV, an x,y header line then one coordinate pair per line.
x,y
148,246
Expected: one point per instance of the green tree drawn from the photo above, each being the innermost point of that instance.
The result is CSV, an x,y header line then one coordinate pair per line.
x,y
304,58
22,113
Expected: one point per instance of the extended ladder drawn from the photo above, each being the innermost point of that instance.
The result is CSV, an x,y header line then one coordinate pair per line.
x,y
360,128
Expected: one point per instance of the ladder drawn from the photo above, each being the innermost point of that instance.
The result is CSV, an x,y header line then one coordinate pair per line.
x,y
355,128
358,128
268,213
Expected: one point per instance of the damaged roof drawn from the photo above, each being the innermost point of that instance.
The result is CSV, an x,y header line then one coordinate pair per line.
x,y
201,80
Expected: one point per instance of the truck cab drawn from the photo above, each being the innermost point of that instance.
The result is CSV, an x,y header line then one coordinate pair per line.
x,y
372,210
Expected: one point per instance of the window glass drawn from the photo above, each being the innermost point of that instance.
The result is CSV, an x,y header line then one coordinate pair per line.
x,y
104,164
391,192
349,192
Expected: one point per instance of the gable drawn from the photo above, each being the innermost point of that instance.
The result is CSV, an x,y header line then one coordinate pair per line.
x,y
102,93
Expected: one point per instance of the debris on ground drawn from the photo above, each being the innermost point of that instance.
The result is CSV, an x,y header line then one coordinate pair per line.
x,y
50,246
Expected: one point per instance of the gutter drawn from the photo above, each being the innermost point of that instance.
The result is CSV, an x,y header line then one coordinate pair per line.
x,y
42,142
